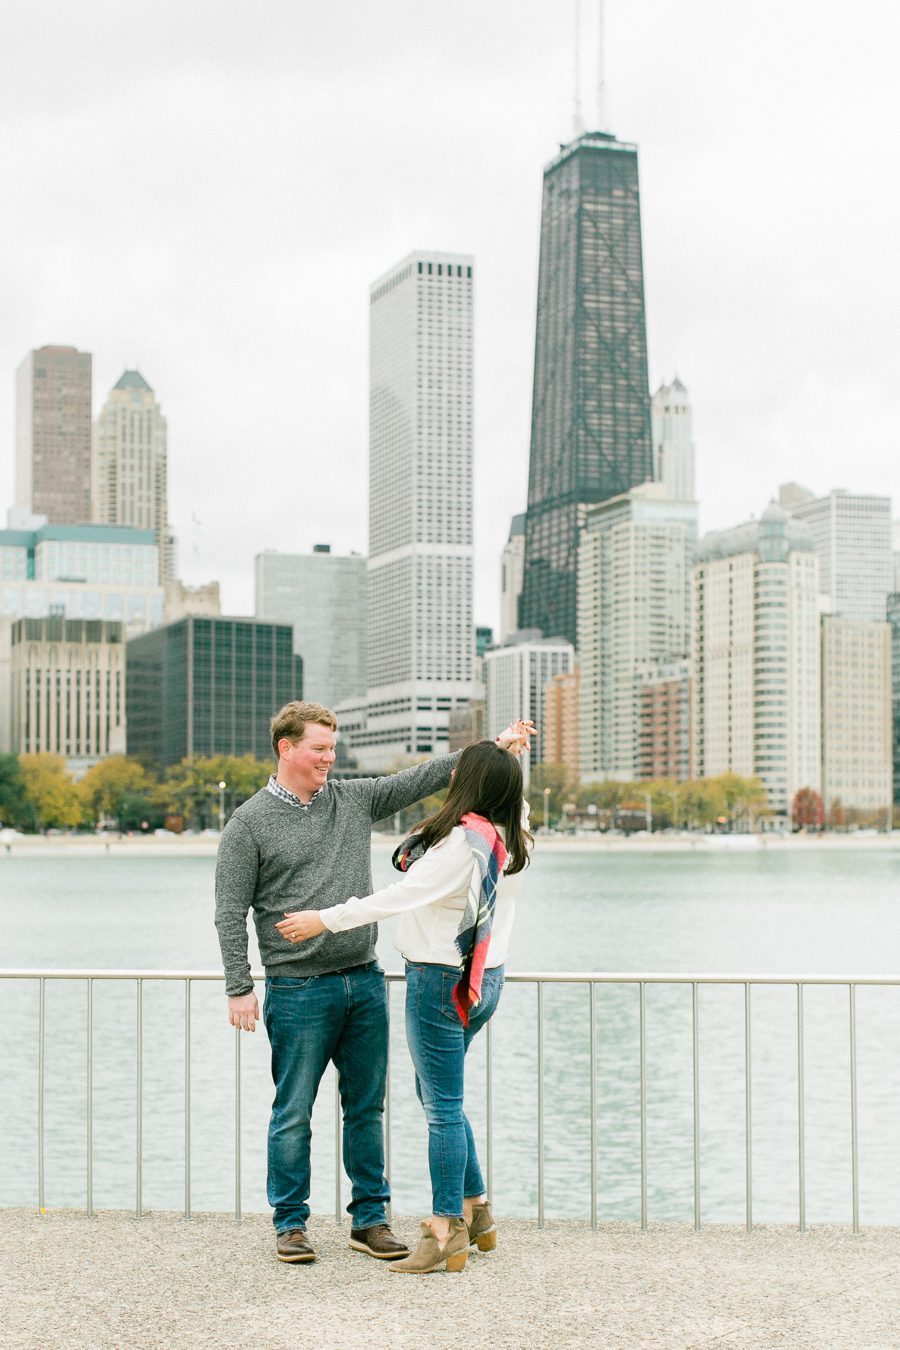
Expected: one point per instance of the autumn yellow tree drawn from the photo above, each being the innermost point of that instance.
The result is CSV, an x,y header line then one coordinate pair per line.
x,y
50,792
108,784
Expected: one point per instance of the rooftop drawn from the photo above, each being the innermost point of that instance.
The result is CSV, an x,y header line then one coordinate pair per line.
x,y
132,379
164,1281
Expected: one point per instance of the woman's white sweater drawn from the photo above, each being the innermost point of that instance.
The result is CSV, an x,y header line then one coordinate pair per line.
x,y
431,898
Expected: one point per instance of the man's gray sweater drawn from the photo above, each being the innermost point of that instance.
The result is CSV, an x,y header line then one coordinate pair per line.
x,y
274,856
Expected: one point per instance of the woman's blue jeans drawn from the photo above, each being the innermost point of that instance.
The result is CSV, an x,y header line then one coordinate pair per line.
x,y
438,1042
344,1018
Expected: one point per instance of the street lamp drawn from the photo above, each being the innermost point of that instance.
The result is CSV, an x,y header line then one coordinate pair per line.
x,y
222,787
546,808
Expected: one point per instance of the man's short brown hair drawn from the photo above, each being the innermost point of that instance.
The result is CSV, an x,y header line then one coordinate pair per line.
x,y
291,721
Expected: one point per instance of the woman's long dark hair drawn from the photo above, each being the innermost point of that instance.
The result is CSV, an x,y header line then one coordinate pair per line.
x,y
487,780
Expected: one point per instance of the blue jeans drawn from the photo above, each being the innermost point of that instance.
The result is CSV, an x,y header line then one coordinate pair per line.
x,y
344,1018
438,1042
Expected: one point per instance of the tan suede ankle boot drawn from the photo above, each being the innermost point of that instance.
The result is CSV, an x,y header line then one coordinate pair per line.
x,y
431,1255
482,1229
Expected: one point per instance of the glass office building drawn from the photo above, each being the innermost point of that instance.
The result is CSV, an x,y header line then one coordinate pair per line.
x,y
208,686
590,422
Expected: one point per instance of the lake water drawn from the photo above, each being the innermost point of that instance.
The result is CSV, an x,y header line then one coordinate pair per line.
x,y
803,911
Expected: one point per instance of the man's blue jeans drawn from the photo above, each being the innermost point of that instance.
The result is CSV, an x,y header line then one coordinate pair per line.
x,y
438,1042
344,1018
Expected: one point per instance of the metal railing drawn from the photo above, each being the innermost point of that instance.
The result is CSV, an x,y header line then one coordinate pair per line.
x,y
590,981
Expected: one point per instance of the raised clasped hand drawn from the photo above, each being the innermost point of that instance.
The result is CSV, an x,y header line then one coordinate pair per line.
x,y
517,736
300,926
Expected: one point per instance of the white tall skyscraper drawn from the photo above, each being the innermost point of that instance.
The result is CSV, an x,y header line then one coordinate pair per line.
x,y
130,464
420,633
634,578
756,694
853,537
673,443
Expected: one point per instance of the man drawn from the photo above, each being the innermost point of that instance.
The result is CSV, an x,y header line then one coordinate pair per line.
x,y
303,842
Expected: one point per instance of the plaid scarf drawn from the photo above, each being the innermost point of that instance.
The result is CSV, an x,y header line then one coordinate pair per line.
x,y
473,936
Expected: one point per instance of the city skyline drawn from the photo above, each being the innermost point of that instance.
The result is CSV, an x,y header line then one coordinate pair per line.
x,y
201,262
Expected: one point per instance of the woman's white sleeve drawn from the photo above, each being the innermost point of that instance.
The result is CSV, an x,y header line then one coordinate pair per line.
x,y
445,870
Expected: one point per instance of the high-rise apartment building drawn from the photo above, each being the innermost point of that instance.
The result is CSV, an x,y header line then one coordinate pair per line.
x,y
420,633
673,441
204,687
853,538
663,710
893,618
856,719
756,694
559,732
53,435
512,571
68,689
516,676
322,595
131,466
634,587
590,421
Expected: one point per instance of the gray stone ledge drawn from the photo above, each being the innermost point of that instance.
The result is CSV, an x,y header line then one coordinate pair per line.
x,y
162,1281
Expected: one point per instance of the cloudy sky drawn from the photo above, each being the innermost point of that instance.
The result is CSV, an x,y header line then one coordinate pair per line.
x,y
205,189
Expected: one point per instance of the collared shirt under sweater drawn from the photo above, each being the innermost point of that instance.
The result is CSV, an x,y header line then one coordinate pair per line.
x,y
275,858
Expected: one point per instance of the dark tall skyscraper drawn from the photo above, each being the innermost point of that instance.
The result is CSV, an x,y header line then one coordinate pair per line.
x,y
590,420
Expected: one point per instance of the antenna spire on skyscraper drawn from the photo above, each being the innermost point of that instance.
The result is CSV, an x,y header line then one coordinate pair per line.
x,y
578,119
586,74
601,80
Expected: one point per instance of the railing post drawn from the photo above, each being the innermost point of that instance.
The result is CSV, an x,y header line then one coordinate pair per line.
x,y
695,1056
337,1136
540,1101
42,1016
387,1113
237,1124
801,1112
643,1040
89,1097
854,1131
489,1113
187,1099
748,1111
139,1100
592,991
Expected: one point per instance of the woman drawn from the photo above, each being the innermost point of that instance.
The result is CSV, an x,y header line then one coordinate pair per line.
x,y
457,914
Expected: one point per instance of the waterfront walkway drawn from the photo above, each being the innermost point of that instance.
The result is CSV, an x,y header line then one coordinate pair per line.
x,y
72,1283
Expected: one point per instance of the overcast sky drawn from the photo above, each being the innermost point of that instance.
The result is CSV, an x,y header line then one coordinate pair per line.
x,y
205,189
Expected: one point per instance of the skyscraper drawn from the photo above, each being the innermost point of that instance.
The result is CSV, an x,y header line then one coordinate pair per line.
x,y
322,595
53,435
130,464
673,442
756,694
420,648
634,587
590,421
512,570
853,536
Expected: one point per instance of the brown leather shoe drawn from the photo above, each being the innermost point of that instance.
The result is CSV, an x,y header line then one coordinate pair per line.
x,y
378,1241
293,1245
